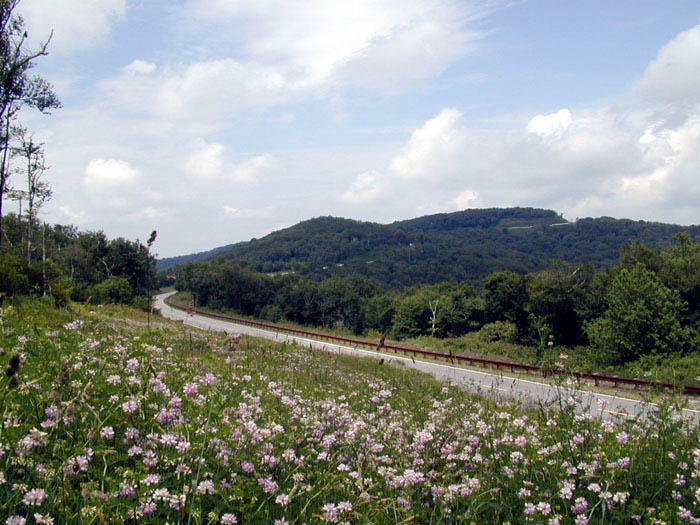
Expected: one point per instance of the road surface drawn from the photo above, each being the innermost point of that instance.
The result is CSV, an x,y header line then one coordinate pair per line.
x,y
523,390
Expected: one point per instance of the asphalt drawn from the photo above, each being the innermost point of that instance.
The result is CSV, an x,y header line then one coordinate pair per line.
x,y
502,386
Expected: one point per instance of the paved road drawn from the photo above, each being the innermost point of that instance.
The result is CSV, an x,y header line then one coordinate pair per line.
x,y
526,391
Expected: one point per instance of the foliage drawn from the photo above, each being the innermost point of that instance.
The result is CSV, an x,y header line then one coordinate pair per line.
x,y
79,265
108,421
17,88
642,317
464,246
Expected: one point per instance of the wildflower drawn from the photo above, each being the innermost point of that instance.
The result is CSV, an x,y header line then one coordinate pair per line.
x,y
132,365
151,479
228,519
283,499
345,506
107,433
281,522
329,513
684,513
130,406
620,497
190,389
544,507
16,520
43,519
622,437
268,485
34,497
206,487
579,505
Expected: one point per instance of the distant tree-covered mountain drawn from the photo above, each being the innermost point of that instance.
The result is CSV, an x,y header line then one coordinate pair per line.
x,y
463,246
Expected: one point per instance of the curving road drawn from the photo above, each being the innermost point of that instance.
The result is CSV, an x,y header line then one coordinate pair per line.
x,y
523,390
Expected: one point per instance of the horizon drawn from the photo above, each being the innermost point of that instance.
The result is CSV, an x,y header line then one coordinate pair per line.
x,y
569,221
242,119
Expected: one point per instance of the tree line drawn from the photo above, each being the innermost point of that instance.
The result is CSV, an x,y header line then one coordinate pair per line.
x,y
35,257
649,303
69,264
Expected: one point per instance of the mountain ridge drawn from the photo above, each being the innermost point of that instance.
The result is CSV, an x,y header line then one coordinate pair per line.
x,y
465,245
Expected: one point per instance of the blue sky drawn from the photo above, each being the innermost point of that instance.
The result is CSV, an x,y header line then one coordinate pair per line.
x,y
214,121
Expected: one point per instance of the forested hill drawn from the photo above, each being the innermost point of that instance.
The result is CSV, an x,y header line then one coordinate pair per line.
x,y
466,245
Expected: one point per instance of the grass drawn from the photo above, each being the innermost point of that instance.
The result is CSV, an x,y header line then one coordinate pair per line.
x,y
108,420
471,345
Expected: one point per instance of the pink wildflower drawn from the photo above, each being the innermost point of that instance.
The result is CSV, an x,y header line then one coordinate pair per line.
x,y
34,497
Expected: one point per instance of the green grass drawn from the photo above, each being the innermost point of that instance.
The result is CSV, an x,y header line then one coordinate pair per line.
x,y
206,429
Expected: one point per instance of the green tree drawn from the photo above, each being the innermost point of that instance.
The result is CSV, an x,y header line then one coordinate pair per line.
x,y
642,317
505,297
17,87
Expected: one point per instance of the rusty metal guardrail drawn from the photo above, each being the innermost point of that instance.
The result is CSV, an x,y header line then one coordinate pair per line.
x,y
545,372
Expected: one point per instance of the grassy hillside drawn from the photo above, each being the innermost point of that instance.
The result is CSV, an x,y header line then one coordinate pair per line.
x,y
107,420
466,245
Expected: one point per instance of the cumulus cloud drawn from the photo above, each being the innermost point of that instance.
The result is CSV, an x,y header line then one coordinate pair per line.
x,y
76,24
210,163
140,67
250,169
72,216
207,163
219,88
148,213
638,156
367,187
432,147
674,76
102,174
466,199
545,125
248,213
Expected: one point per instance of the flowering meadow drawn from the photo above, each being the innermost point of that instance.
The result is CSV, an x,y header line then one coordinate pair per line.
x,y
108,420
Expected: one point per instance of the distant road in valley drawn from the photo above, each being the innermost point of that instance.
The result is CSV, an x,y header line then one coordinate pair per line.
x,y
523,390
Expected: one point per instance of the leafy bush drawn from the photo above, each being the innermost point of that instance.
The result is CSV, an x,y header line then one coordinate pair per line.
x,y
498,331
113,290
642,317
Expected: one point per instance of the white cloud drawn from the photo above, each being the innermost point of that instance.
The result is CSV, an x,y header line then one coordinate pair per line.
x,y
209,163
359,42
466,199
72,216
218,88
77,24
140,67
545,125
248,213
250,169
367,187
638,156
148,214
674,75
108,174
431,147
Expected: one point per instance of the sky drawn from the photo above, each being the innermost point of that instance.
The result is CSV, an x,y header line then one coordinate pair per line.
x,y
217,121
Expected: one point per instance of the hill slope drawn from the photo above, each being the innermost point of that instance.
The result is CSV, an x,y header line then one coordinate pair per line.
x,y
466,245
